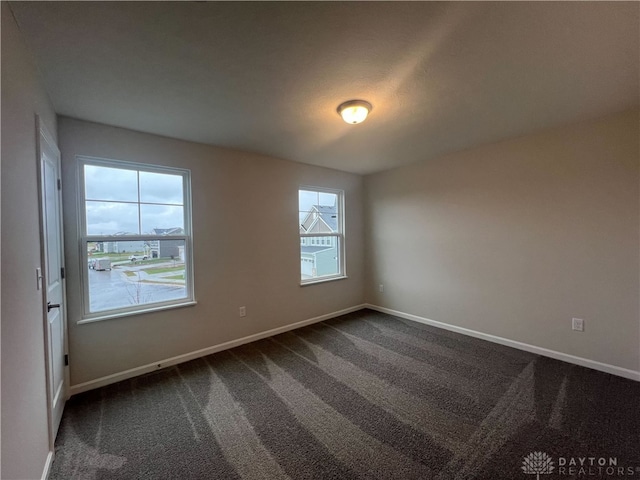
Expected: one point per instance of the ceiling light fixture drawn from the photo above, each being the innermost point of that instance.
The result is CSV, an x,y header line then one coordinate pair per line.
x,y
354,111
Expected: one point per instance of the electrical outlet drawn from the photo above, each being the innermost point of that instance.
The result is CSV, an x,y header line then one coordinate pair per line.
x,y
242,311
577,324
381,288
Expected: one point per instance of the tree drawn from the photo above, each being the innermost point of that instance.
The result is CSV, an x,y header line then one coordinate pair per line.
x,y
536,463
135,292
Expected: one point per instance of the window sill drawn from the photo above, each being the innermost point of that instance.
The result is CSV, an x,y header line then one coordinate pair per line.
x,y
109,316
322,280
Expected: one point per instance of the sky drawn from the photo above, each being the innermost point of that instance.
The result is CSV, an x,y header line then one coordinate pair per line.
x,y
119,200
306,199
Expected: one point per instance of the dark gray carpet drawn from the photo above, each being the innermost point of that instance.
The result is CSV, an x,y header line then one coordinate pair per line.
x,y
364,396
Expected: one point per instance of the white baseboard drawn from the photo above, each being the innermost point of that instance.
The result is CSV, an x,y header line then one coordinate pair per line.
x,y
47,466
134,372
584,362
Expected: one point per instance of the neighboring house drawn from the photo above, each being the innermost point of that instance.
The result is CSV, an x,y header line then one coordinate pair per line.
x,y
167,248
319,255
124,246
152,248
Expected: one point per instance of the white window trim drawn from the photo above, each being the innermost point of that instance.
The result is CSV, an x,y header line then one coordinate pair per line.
x,y
83,239
340,236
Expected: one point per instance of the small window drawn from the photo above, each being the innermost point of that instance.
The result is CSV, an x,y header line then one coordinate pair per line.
x,y
135,229
321,227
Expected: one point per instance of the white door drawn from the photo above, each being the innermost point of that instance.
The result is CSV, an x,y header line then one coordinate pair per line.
x,y
53,285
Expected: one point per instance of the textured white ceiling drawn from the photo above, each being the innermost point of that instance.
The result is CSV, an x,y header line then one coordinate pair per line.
x,y
267,77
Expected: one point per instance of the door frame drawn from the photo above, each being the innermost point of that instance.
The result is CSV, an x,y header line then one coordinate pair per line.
x,y
43,135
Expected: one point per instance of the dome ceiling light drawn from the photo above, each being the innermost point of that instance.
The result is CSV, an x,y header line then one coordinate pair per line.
x,y
354,111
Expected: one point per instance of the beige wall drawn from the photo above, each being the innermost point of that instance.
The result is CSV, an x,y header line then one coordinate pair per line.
x,y
245,249
514,239
25,438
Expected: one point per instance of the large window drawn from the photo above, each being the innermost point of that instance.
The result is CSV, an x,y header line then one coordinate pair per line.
x,y
135,237
321,226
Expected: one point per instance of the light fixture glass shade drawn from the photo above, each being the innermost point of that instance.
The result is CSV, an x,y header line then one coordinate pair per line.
x,y
354,111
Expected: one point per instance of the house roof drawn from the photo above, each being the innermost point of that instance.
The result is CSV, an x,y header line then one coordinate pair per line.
x,y
328,215
168,231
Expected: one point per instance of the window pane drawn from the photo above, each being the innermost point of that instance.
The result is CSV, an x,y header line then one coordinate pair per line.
x,y
320,219
104,183
304,221
306,200
127,274
319,257
162,219
111,218
161,188
328,221
327,199
318,212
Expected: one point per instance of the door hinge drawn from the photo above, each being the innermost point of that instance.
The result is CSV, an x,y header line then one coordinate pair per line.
x,y
66,360
62,272
59,185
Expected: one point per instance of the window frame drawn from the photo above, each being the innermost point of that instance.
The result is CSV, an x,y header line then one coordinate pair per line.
x,y
84,238
339,235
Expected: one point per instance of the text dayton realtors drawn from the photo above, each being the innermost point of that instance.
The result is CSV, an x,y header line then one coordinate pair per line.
x,y
593,466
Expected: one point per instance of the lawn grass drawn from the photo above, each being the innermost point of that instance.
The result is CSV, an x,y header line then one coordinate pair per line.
x,y
151,261
125,261
114,257
157,270
161,282
175,277
129,273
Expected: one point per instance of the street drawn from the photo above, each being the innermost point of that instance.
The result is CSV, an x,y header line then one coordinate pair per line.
x,y
109,289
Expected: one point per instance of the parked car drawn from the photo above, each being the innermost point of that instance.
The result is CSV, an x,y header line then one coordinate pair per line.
x,y
135,258
101,264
